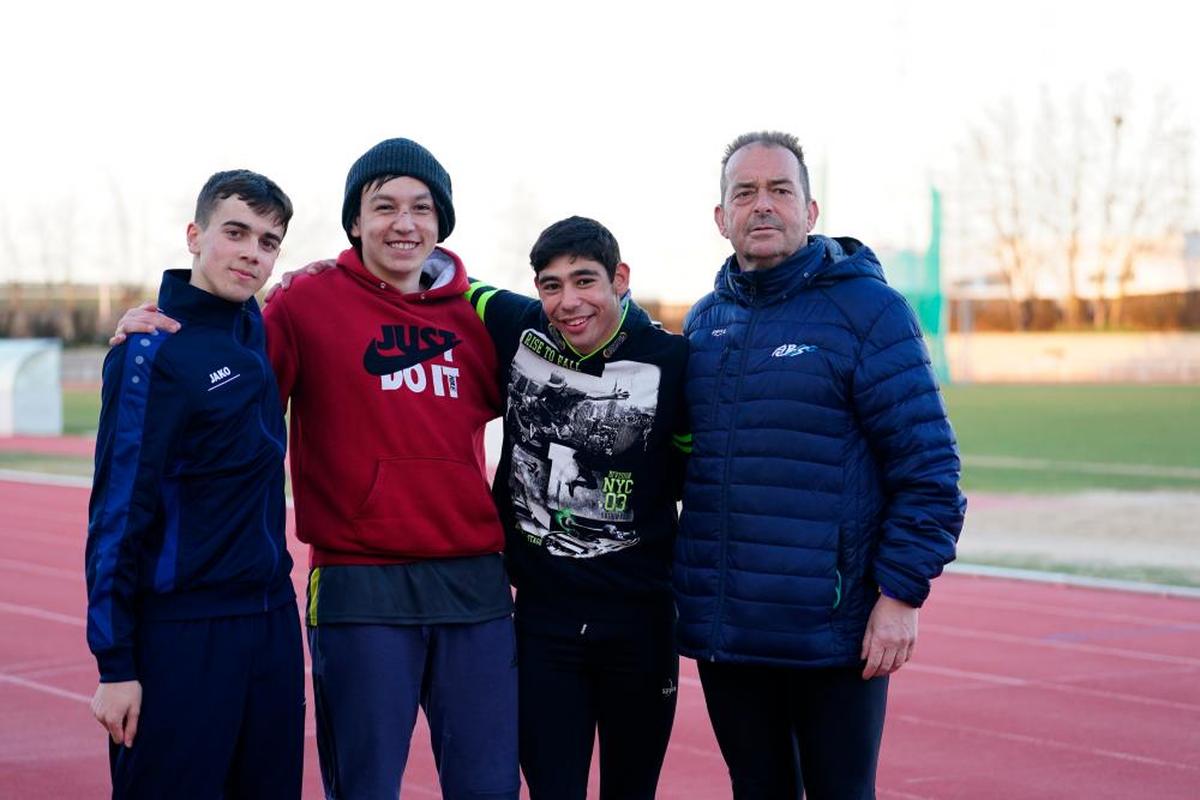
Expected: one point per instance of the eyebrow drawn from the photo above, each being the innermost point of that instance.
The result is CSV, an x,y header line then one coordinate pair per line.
x,y
575,273
770,182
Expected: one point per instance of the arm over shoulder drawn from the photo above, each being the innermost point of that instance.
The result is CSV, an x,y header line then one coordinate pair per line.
x,y
502,312
282,347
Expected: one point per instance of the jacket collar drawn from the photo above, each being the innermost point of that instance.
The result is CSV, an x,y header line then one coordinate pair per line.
x,y
179,299
822,261
758,286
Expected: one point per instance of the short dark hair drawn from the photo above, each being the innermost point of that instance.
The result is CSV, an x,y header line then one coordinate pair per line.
x,y
767,139
578,237
258,191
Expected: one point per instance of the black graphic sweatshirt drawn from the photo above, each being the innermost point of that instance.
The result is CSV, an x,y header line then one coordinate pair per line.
x,y
591,469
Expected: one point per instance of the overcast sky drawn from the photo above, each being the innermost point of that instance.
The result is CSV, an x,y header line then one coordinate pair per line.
x,y
617,110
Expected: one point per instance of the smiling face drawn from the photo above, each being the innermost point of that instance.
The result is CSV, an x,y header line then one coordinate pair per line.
x,y
234,253
580,300
764,213
398,226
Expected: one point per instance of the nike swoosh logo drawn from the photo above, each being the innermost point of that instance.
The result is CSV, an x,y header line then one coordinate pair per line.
x,y
378,364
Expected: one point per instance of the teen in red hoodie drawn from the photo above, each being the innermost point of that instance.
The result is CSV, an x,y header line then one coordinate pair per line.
x,y
391,379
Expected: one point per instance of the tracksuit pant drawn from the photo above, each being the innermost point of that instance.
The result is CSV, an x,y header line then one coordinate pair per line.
x,y
579,678
222,710
368,681
785,731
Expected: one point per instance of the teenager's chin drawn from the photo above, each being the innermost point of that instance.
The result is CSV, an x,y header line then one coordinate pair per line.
x,y
585,345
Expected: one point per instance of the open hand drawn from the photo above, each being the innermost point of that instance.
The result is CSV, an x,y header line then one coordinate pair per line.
x,y
285,280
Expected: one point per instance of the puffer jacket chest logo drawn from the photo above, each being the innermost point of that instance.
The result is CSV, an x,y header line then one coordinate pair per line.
x,y
792,350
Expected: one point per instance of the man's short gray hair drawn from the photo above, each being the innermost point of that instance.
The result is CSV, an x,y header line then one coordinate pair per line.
x,y
767,139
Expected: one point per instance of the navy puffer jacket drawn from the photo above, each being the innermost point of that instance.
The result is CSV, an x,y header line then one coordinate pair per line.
x,y
823,466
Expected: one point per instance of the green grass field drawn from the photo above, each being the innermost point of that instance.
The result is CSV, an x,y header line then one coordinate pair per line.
x,y
1110,437
1023,438
81,409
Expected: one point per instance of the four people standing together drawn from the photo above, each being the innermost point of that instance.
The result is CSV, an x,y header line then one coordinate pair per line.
x,y
797,417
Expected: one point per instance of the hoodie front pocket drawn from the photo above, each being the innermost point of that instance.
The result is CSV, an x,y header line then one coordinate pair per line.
x,y
427,507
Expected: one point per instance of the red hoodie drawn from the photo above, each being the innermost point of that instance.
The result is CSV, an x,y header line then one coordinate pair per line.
x,y
390,392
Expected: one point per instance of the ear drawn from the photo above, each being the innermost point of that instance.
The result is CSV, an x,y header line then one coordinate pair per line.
x,y
354,228
621,279
719,218
813,213
193,238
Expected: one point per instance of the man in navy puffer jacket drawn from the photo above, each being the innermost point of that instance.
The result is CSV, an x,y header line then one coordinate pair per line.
x,y
822,492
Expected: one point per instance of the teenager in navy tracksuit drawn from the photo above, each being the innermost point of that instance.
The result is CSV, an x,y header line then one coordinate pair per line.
x,y
191,613
594,443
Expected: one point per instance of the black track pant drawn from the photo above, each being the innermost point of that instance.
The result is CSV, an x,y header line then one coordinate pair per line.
x,y
785,730
578,678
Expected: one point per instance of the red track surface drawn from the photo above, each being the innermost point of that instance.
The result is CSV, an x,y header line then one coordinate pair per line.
x,y
1019,690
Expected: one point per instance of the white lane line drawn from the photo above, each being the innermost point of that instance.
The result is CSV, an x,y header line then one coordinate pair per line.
x,y
44,688
1088,467
1043,742
45,478
30,666
1077,613
41,570
1065,579
1054,644
902,795
1054,686
66,669
41,613
949,672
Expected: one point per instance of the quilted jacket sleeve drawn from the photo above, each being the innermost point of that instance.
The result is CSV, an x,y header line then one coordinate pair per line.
x,y
897,402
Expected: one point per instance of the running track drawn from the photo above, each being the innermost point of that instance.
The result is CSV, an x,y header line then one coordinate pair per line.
x,y
1019,690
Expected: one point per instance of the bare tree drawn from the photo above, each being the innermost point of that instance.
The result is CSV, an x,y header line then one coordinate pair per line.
x,y
998,173
1060,166
1148,196
16,322
1099,185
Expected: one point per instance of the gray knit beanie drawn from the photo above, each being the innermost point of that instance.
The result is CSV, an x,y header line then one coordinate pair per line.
x,y
398,157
